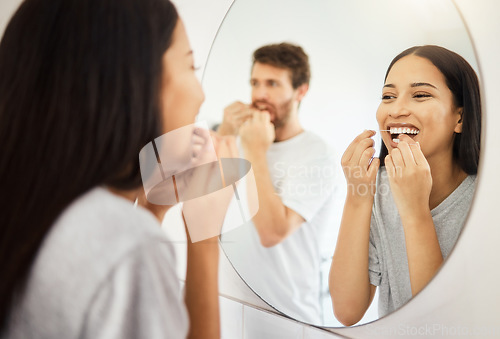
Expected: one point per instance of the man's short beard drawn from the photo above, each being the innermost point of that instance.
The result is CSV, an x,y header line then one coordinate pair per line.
x,y
283,114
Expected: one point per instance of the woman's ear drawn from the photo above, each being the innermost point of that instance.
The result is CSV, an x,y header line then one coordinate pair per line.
x,y
458,126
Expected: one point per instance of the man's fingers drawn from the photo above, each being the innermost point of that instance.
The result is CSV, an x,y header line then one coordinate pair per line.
x,y
265,116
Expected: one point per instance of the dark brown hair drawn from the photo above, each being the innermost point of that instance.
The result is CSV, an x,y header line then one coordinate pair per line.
x,y
464,85
286,56
79,98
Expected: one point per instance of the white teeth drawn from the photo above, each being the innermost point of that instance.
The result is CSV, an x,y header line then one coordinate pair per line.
x,y
405,130
396,140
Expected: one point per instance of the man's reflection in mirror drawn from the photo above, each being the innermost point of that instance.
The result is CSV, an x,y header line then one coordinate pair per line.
x,y
278,254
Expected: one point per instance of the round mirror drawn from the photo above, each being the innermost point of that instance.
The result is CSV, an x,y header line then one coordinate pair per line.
x,y
350,45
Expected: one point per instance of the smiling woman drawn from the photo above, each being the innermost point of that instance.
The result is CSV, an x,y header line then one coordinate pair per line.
x,y
396,240
349,45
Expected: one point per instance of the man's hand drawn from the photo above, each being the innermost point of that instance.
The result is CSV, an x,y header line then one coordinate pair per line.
x,y
234,116
257,133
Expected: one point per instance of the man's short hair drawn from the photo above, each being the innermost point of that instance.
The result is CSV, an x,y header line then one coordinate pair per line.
x,y
287,56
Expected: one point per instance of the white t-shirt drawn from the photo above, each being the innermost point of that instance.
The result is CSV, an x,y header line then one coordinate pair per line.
x,y
287,275
105,270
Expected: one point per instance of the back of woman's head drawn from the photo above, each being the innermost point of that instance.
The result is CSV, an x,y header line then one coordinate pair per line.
x,y
464,85
79,98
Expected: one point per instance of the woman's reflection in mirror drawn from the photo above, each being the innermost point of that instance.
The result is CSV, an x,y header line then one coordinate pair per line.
x,y
404,210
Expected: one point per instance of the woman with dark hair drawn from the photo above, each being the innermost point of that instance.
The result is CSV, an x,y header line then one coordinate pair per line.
x,y
400,222
84,86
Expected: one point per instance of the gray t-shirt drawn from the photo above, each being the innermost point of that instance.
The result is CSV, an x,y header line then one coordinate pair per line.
x,y
388,262
105,270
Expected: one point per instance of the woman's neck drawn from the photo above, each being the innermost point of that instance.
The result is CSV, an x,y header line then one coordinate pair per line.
x,y
447,175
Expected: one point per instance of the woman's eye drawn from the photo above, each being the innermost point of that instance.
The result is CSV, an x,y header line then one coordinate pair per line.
x,y
421,95
387,97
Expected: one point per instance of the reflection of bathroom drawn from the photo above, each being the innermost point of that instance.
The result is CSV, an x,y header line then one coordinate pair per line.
x,y
343,96
350,44
443,26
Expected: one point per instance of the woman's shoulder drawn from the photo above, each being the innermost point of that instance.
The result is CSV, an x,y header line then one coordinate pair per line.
x,y
105,215
97,230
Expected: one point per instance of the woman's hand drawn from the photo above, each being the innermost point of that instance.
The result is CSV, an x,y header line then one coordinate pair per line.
x,y
206,201
360,168
349,281
202,171
409,177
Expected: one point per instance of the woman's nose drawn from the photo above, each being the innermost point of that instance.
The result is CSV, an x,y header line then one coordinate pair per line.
x,y
399,108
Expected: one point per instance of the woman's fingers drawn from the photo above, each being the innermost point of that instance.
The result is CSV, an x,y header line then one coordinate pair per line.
x,y
373,169
418,155
397,159
357,158
354,145
406,152
389,166
365,158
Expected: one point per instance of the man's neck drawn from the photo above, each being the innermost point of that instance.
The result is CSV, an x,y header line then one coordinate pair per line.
x,y
291,129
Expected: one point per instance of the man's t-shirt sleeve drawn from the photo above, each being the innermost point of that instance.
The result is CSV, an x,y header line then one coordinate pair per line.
x,y
307,186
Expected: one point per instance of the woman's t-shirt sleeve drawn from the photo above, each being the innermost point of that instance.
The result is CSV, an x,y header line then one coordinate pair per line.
x,y
374,268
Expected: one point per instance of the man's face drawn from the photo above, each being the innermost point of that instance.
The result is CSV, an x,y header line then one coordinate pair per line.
x,y
272,91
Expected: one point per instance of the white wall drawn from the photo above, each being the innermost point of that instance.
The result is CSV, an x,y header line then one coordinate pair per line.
x,y
465,294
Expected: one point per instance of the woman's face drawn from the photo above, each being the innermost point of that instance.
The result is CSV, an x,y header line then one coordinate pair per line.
x,y
416,101
181,98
